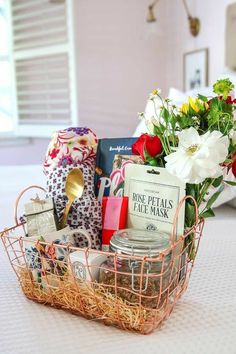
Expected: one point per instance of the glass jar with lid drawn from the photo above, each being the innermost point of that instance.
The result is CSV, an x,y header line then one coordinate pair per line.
x,y
131,272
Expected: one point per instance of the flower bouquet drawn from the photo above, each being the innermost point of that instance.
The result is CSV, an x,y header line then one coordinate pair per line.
x,y
196,143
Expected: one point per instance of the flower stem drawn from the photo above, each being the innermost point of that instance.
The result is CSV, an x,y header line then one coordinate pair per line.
x,y
165,147
206,185
168,144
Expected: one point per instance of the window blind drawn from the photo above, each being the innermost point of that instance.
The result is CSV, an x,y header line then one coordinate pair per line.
x,y
43,65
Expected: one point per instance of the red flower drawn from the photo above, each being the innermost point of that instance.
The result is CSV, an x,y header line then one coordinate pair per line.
x,y
234,168
153,146
149,144
230,100
138,146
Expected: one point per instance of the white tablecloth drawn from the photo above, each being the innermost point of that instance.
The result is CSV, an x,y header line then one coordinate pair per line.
x,y
203,322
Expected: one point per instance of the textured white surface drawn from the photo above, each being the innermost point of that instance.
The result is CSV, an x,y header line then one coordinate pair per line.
x,y
203,322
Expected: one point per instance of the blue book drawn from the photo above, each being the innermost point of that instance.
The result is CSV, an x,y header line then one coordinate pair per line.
x,y
107,149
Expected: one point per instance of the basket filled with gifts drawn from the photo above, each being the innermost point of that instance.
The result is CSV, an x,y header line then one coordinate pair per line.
x,y
114,235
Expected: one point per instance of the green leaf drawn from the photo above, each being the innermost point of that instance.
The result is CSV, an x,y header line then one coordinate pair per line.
x,y
165,114
152,162
146,156
191,190
217,182
213,198
228,161
202,98
173,121
157,129
207,214
61,250
230,183
189,214
223,87
160,161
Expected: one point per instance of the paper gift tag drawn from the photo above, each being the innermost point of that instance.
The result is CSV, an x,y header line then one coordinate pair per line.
x,y
40,217
154,195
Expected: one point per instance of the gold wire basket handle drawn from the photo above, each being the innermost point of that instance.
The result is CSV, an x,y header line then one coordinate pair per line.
x,y
71,232
181,203
19,198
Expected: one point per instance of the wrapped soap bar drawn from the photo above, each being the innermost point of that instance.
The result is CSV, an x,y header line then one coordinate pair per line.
x,y
114,217
51,255
40,217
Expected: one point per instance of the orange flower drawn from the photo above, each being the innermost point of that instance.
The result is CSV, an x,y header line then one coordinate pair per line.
x,y
51,252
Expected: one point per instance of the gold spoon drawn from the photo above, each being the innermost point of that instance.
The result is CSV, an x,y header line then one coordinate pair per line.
x,y
74,188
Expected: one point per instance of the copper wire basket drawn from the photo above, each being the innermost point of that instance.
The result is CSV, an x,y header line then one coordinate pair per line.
x,y
113,301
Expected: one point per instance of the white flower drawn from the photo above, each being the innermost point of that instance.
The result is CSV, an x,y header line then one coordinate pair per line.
x,y
198,156
155,93
141,115
151,123
152,113
153,107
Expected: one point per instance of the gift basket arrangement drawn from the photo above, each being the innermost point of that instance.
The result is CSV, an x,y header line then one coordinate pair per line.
x,y
115,234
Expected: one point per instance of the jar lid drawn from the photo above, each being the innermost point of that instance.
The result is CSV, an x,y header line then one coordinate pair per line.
x,y
139,242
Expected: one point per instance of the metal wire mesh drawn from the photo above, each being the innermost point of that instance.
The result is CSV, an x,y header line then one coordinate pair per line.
x,y
133,293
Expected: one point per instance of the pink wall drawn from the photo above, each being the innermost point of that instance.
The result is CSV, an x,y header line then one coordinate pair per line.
x,y
212,14
121,59
119,63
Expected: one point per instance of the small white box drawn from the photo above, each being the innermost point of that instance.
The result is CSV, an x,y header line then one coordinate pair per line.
x,y
86,270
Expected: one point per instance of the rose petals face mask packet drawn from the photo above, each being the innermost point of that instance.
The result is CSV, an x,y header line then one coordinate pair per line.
x,y
154,195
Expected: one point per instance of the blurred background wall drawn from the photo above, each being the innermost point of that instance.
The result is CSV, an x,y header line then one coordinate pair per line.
x,y
120,58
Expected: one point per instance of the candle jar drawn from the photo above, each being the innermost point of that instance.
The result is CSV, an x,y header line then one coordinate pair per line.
x,y
133,278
